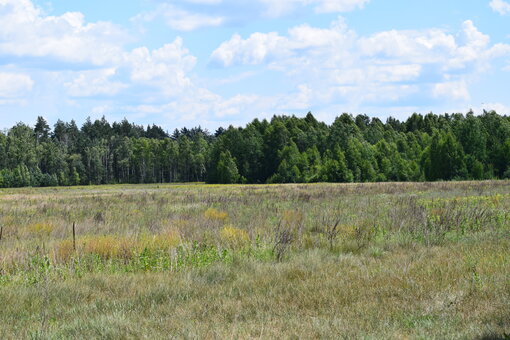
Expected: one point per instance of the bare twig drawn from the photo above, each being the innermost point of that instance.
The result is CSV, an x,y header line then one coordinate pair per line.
x,y
283,239
332,230
74,236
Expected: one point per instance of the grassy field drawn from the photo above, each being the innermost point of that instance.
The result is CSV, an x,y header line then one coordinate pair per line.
x,y
375,261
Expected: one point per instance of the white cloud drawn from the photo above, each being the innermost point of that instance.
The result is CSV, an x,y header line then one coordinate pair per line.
x,y
261,48
13,85
94,82
254,50
278,8
300,100
101,110
338,6
205,2
456,90
340,66
330,69
234,79
166,67
234,106
500,6
27,32
107,68
383,74
420,46
188,15
183,20
502,109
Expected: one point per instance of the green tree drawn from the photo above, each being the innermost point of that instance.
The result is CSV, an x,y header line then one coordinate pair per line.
x,y
334,167
226,169
445,158
41,130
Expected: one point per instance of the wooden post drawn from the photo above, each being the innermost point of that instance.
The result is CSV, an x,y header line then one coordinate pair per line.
x,y
1,232
74,236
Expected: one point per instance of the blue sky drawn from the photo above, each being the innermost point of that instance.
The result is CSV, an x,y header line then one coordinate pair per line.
x,y
220,62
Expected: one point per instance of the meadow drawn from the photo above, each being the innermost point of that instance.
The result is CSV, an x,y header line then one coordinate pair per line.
x,y
374,261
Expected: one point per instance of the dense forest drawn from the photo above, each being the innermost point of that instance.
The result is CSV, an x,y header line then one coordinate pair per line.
x,y
284,150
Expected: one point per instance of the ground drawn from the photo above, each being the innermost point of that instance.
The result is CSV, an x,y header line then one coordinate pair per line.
x,y
391,260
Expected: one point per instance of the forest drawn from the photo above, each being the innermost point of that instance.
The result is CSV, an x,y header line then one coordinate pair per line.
x,y
286,149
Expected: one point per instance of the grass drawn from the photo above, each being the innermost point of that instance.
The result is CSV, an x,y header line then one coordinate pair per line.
x,y
393,260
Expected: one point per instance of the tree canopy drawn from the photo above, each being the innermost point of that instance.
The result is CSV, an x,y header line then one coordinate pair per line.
x,y
285,149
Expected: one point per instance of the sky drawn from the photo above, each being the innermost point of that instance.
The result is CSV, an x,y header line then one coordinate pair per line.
x,y
212,63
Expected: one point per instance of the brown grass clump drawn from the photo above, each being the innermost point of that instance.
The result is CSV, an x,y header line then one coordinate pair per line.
x,y
41,229
215,215
63,251
347,231
234,237
167,240
108,246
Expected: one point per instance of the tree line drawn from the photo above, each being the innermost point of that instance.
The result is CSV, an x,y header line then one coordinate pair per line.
x,y
286,149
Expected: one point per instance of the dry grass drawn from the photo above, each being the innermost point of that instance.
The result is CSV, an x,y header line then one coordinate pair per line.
x,y
392,260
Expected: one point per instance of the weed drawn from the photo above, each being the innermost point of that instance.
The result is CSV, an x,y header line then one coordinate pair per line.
x,y
329,226
284,235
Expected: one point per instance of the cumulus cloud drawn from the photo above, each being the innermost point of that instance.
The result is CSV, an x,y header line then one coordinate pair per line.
x,y
307,43
301,40
338,66
107,68
166,67
93,83
500,6
13,85
254,50
330,69
27,32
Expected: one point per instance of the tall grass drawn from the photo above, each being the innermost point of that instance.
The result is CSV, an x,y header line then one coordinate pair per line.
x,y
391,260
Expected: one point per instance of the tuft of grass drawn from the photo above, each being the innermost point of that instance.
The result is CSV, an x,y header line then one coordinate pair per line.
x,y
213,214
41,229
234,237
